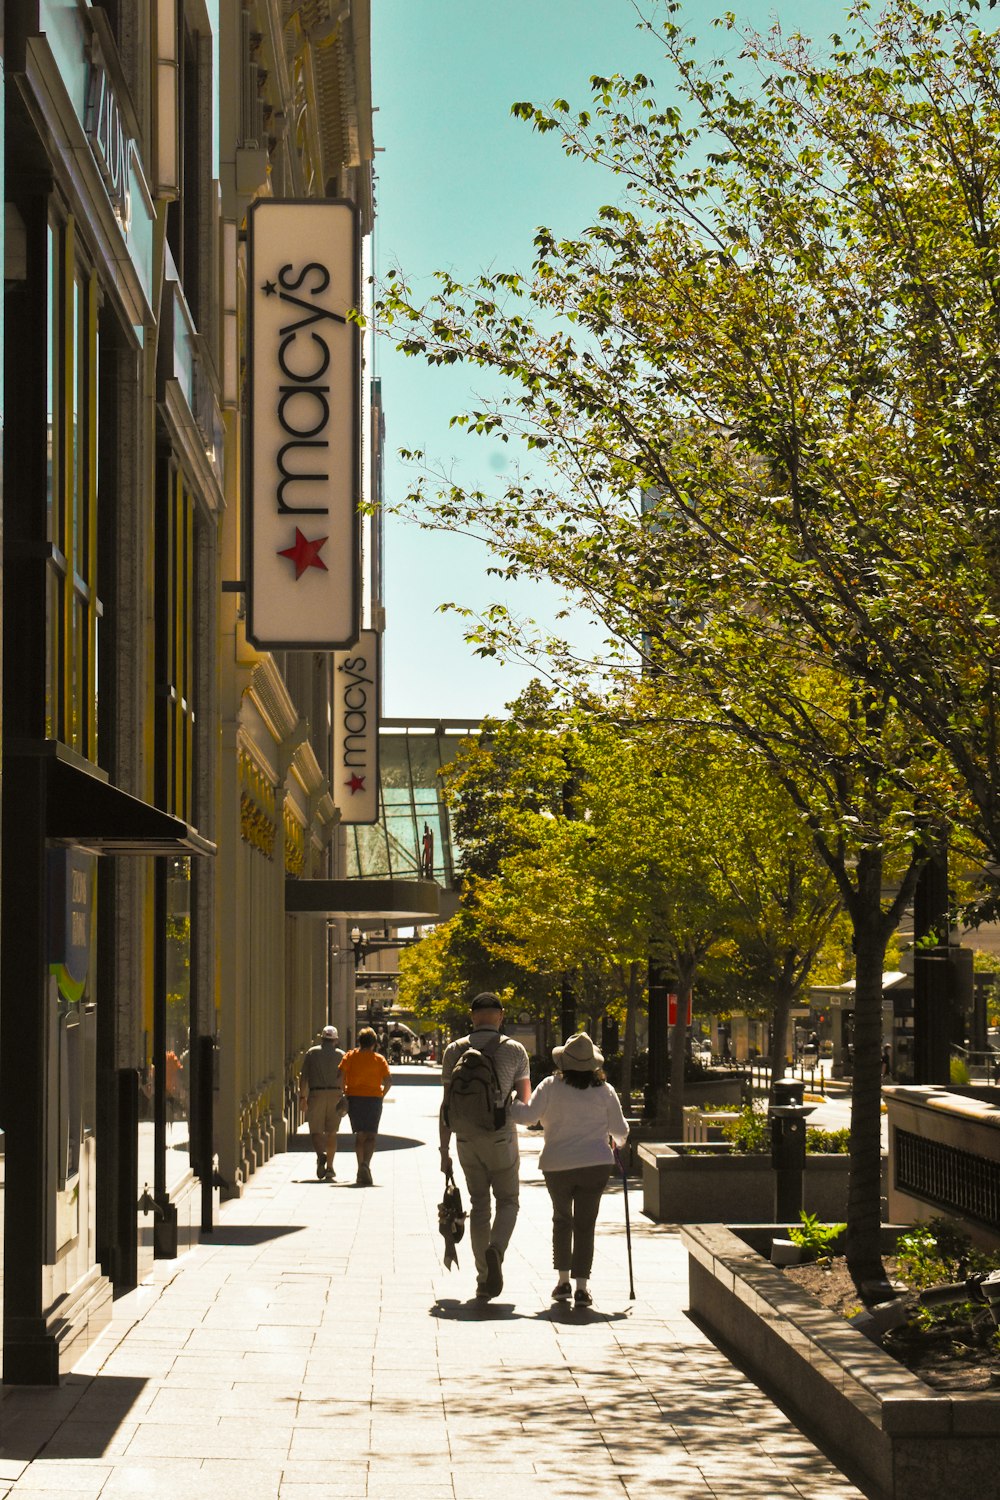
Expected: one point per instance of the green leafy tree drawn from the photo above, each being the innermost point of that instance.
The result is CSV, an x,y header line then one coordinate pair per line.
x,y
658,808
786,909
686,851
502,780
431,981
501,787
765,381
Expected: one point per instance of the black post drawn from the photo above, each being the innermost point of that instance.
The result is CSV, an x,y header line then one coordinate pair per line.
x,y
205,1166
567,999
787,1116
656,1080
932,1021
165,1216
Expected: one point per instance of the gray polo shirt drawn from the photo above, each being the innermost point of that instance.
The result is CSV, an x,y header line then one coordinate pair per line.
x,y
321,1066
510,1058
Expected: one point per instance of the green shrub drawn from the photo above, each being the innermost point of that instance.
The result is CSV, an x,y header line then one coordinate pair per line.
x,y
748,1130
958,1070
815,1239
835,1142
940,1251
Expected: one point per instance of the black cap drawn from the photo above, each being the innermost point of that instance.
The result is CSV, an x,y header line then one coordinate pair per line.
x,y
487,1001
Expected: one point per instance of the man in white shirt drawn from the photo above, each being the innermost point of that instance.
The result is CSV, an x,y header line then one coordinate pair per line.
x,y
489,1156
320,1099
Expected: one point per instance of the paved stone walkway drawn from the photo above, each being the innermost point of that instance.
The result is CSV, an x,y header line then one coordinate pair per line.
x,y
315,1348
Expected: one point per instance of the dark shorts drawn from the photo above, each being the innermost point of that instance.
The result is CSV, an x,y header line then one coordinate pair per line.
x,y
364,1114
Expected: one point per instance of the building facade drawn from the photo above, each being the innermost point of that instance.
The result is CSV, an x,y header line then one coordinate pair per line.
x,y
173,903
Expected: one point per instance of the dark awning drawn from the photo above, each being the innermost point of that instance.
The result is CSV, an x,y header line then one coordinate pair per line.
x,y
84,810
364,900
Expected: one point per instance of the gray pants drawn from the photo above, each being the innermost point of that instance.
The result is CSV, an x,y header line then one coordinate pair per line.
x,y
490,1164
576,1196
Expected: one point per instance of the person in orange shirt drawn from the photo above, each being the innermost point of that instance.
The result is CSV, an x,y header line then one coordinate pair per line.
x,y
366,1082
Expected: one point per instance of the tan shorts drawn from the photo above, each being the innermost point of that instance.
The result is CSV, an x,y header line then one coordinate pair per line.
x,y
323,1112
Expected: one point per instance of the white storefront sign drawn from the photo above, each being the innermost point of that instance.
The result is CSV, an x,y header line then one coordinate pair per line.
x,y
110,141
355,730
305,429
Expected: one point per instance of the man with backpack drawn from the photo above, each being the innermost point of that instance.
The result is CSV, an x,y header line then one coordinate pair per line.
x,y
479,1073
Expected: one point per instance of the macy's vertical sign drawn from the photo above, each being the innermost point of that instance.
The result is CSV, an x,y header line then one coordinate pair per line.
x,y
355,730
305,427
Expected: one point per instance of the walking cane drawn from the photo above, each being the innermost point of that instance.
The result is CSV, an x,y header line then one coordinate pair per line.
x,y
628,1226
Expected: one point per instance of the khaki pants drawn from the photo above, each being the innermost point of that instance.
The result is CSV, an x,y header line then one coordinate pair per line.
x,y
323,1111
490,1164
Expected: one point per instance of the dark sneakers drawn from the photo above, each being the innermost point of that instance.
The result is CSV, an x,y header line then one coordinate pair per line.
x,y
493,1285
562,1291
582,1298
321,1165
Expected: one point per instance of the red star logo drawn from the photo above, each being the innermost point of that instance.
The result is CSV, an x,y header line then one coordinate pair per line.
x,y
305,554
356,784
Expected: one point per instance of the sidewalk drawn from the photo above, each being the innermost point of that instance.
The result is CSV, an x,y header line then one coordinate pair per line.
x,y
316,1348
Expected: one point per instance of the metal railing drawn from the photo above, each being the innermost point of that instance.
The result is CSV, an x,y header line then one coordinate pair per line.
x,y
759,1074
947,1177
984,1067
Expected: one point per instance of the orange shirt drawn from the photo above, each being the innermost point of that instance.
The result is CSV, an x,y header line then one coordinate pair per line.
x,y
364,1073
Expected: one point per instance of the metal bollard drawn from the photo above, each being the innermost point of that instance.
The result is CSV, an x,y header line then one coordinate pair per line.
x,y
787,1116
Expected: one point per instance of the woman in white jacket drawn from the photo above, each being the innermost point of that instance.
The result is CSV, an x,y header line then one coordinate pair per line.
x,y
578,1112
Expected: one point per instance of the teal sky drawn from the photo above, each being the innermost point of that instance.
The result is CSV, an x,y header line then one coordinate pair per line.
x,y
462,186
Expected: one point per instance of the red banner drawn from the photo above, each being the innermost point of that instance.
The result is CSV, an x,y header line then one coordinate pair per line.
x,y
672,1010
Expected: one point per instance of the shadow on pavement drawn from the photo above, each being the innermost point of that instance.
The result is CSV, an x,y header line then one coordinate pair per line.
x,y
580,1315
474,1311
345,1142
248,1234
78,1419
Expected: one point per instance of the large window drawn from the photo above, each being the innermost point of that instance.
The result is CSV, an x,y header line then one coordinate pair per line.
x,y
73,605
177,1049
175,675
413,835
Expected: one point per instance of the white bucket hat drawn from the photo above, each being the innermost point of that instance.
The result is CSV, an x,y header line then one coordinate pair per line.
x,y
577,1055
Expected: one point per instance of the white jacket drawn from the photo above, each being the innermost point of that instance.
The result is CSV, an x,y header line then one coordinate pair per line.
x,y
576,1122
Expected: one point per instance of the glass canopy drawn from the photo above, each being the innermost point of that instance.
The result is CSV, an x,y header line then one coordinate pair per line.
x,y
413,835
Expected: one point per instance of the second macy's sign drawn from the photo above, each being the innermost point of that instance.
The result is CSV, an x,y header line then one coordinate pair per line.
x,y
355,730
305,428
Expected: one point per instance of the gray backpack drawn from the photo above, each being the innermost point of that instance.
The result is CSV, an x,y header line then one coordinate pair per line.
x,y
474,1102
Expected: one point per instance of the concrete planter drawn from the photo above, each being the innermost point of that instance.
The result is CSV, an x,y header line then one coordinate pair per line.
x,y
710,1184
944,1149
895,1436
712,1091
715,1089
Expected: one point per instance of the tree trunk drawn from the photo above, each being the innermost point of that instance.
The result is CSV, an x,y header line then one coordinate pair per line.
x,y
678,1054
779,1030
864,1257
567,1007
628,1046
